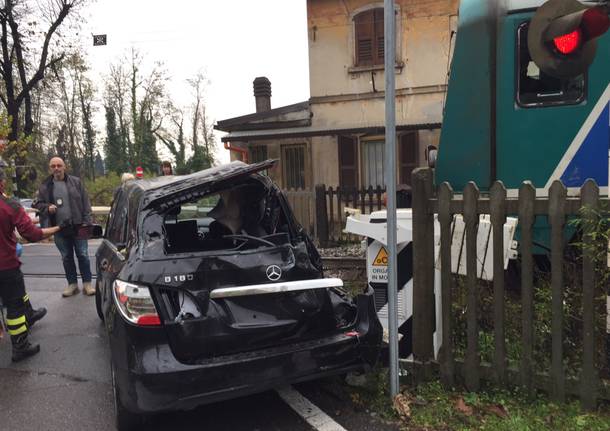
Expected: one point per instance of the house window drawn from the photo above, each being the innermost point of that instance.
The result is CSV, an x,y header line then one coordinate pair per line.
x,y
348,162
258,153
373,161
368,29
408,156
293,162
537,89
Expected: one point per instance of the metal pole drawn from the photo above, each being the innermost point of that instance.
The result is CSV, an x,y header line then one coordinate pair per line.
x,y
390,181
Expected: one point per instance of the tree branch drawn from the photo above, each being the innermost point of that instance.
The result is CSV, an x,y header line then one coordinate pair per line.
x,y
27,86
171,145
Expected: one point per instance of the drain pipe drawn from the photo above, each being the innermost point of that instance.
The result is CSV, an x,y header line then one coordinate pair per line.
x,y
241,151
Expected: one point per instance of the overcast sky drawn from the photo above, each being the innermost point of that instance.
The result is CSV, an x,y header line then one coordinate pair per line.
x,y
231,41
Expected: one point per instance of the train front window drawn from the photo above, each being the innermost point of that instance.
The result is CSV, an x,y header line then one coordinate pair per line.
x,y
537,89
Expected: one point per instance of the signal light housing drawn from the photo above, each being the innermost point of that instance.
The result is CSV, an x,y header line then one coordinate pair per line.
x,y
561,36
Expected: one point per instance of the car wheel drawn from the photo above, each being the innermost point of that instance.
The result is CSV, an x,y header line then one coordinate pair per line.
x,y
98,301
125,420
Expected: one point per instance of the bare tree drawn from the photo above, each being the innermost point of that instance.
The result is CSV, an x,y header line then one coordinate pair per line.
x,y
137,101
173,137
117,87
203,153
67,74
22,65
209,139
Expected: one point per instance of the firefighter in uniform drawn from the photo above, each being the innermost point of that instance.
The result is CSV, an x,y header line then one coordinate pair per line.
x,y
20,314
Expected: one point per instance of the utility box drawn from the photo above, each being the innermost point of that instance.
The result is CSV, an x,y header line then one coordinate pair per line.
x,y
374,228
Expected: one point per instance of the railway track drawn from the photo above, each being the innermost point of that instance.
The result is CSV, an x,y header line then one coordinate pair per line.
x,y
344,263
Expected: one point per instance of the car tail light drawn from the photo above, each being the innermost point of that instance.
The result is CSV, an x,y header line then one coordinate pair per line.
x,y
135,304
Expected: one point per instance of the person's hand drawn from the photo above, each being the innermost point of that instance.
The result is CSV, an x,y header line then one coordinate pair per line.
x,y
66,226
66,223
52,209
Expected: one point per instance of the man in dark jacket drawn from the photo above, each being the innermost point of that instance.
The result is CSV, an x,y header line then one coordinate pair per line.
x,y
62,200
20,314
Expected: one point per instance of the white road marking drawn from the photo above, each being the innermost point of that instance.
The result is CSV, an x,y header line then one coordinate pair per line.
x,y
308,411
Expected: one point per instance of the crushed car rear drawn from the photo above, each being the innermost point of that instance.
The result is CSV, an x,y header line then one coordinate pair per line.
x,y
224,295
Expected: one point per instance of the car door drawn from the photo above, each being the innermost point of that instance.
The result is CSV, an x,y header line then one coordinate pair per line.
x,y
111,254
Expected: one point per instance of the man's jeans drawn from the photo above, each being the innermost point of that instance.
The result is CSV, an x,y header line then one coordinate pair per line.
x,y
67,245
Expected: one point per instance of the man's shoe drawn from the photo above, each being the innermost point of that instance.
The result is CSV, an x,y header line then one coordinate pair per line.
x,y
24,350
72,289
88,289
35,315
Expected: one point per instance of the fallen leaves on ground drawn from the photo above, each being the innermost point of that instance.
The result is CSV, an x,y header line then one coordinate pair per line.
x,y
402,405
462,407
498,410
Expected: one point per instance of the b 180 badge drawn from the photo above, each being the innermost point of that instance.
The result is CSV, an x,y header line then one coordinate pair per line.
x,y
178,278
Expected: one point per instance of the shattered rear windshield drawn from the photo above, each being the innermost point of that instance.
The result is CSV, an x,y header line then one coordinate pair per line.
x,y
240,218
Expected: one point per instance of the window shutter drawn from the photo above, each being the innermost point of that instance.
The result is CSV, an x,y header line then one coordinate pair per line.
x,y
258,153
293,161
379,41
408,156
365,35
348,163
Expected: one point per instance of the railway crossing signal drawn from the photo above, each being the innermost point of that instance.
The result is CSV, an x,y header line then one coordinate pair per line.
x,y
562,36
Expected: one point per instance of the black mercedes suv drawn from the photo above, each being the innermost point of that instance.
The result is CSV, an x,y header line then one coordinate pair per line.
x,y
210,289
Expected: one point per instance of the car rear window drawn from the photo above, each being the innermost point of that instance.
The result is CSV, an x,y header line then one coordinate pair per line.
x,y
242,217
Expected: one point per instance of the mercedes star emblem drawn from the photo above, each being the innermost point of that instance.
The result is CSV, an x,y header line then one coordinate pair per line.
x,y
274,272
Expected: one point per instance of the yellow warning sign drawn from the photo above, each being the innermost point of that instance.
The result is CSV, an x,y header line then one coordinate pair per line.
x,y
382,258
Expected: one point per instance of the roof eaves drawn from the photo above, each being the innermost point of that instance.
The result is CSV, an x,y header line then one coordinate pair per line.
x,y
225,125
303,132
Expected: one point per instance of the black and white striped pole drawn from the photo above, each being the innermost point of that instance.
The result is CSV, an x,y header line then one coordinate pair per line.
x,y
390,180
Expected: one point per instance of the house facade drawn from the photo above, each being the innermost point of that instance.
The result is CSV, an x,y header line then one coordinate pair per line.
x,y
337,137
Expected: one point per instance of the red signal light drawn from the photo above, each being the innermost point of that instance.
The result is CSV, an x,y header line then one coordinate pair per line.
x,y
562,36
568,43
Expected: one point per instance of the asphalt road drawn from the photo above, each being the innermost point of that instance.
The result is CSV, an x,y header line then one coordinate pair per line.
x,y
67,386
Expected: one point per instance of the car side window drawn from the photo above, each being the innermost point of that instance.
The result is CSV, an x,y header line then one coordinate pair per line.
x,y
117,224
537,89
133,204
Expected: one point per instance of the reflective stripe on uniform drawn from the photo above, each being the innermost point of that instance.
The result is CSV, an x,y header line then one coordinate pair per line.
x,y
26,298
19,330
14,322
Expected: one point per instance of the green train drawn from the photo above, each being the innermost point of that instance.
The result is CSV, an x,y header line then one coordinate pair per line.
x,y
528,96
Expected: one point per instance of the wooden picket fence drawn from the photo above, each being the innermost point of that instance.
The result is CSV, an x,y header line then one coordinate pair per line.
x,y
330,209
471,371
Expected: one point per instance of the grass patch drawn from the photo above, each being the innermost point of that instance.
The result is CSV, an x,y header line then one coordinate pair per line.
x,y
437,409
430,407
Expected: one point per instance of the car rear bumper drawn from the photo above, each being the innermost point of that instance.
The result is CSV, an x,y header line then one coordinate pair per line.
x,y
154,380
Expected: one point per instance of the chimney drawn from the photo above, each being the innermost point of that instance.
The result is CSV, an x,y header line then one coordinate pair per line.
x,y
262,94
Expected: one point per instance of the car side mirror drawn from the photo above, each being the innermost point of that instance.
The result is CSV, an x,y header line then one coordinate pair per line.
x,y
89,231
